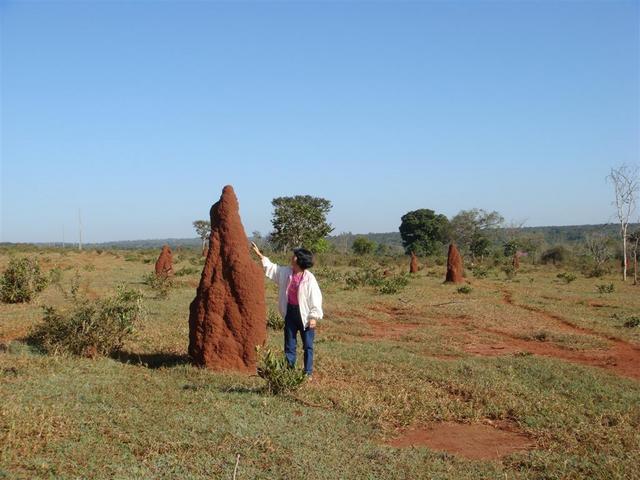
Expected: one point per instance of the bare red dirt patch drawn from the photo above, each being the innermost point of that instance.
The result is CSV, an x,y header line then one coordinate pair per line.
x,y
622,358
388,330
475,442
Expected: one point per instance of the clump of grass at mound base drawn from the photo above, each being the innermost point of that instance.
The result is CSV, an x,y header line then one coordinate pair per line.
x,y
280,376
89,327
160,284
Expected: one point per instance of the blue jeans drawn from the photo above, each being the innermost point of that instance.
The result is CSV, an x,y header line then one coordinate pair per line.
x,y
293,325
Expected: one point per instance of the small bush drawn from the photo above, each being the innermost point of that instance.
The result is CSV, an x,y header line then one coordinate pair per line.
x,y
329,274
465,289
89,267
540,336
366,276
90,328
632,322
605,288
281,378
555,255
21,281
392,285
158,283
274,320
55,276
509,271
566,277
480,271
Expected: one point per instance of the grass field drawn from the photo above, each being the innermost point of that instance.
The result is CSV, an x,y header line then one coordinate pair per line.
x,y
533,355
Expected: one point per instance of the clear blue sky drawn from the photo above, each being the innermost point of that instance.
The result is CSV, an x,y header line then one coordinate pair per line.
x,y
139,112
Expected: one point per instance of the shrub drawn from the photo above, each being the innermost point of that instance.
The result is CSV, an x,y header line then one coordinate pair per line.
x,y
371,276
281,378
90,328
554,255
566,277
329,274
540,336
394,284
21,281
509,271
605,288
274,320
464,289
55,276
632,322
596,271
480,271
159,283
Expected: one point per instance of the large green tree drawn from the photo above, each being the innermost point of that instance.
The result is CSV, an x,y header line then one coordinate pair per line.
x,y
423,231
299,221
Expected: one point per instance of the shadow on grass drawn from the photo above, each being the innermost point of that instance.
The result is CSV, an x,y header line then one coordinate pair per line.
x,y
151,360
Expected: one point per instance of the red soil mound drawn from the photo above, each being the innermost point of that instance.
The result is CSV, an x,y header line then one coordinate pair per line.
x,y
227,317
413,266
477,442
454,266
164,264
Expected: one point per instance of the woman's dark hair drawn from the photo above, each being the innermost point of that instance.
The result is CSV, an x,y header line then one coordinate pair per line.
x,y
304,258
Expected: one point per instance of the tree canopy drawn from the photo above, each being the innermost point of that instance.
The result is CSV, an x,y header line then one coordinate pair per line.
x,y
299,221
363,246
423,231
468,229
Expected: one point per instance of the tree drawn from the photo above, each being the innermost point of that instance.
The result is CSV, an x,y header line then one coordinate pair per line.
x,y
468,226
479,246
299,221
597,245
423,232
203,229
363,246
625,187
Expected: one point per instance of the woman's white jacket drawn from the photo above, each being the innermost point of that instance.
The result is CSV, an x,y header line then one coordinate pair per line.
x,y
309,295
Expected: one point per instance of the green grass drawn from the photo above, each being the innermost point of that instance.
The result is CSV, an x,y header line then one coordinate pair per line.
x,y
383,363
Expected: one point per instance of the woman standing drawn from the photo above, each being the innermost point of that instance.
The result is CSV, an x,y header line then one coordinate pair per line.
x,y
299,302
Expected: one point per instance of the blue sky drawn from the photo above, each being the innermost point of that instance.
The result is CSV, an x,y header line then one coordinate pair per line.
x,y
138,113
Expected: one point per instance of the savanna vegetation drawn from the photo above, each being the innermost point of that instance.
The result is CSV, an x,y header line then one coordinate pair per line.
x,y
546,350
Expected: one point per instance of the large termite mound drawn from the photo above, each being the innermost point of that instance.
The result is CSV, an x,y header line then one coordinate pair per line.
x,y
413,266
164,264
454,266
516,261
227,317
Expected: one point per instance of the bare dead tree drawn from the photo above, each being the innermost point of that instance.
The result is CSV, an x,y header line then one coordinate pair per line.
x,y
625,185
597,245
